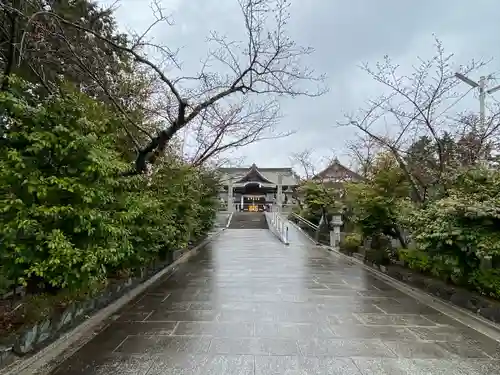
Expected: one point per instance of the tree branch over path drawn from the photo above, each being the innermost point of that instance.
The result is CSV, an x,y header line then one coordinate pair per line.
x,y
271,66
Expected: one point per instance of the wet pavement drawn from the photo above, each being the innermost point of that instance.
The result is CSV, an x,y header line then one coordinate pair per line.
x,y
249,305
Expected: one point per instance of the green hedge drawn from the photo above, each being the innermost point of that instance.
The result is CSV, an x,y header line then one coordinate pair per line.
x,y
483,281
68,219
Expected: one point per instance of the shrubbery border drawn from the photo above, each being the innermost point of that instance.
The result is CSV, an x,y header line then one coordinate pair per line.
x,y
16,349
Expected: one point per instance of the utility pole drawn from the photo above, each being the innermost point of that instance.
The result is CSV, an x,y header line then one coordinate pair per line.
x,y
481,85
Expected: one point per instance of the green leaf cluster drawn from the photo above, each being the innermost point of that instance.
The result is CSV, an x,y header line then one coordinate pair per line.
x,y
319,198
463,227
374,204
68,217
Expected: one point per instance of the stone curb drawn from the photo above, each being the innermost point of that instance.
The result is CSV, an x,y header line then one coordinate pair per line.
x,y
478,323
37,361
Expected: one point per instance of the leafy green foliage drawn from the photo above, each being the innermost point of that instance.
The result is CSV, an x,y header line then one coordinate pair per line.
x,y
374,204
53,51
69,219
487,282
351,243
319,199
416,260
463,227
381,251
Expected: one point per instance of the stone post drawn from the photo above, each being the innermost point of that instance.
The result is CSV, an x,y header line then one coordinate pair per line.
x,y
335,232
279,192
230,199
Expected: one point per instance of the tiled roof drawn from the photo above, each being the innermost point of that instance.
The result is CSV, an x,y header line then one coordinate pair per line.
x,y
269,174
336,172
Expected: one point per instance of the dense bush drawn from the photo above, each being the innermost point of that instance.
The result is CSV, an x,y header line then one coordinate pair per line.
x,y
380,251
487,282
460,229
69,218
351,243
416,260
374,204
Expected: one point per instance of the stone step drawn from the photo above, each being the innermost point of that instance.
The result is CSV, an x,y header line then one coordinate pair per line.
x,y
248,220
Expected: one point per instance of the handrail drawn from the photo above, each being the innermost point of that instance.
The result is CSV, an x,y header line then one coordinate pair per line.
x,y
305,221
278,226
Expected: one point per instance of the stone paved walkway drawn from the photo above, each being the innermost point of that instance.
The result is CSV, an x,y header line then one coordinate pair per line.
x,y
250,305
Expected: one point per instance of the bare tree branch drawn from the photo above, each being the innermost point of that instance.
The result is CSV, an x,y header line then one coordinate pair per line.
x,y
304,161
414,106
363,152
272,66
234,126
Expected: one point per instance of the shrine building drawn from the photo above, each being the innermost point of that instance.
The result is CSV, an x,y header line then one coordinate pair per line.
x,y
257,189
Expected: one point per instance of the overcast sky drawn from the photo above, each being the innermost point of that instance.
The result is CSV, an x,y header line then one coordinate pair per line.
x,y
344,34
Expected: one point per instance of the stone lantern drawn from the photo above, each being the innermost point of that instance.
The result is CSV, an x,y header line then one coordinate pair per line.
x,y
336,224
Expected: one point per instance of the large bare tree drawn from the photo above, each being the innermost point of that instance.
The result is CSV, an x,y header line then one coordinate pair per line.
x,y
363,151
265,66
415,104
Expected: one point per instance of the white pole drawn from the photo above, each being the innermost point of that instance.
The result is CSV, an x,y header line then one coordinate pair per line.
x,y
481,85
230,200
279,191
482,99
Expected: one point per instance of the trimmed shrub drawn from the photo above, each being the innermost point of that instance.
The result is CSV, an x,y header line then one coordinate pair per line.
x,y
351,243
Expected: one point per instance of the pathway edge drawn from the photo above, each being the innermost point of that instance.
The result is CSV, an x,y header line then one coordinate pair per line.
x,y
478,323
36,362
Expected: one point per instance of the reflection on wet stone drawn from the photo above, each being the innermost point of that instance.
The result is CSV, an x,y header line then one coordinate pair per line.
x,y
219,329
230,365
399,320
256,346
163,344
249,305
344,348
292,330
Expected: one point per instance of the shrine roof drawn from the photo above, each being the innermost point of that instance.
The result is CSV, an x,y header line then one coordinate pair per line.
x,y
262,175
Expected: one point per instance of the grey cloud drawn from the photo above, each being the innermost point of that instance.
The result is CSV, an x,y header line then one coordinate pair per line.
x,y
344,34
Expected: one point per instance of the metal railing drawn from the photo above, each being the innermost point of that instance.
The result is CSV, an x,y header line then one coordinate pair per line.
x,y
311,229
304,221
278,225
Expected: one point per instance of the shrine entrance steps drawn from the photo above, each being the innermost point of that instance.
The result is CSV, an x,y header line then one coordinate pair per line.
x,y
248,220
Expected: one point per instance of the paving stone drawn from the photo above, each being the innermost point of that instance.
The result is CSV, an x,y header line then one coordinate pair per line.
x,y
229,365
343,319
286,365
276,365
385,366
135,344
398,320
254,346
439,333
463,349
112,364
248,305
292,330
373,332
344,348
219,329
328,366
484,367
409,308
179,364
444,367
176,316
417,349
